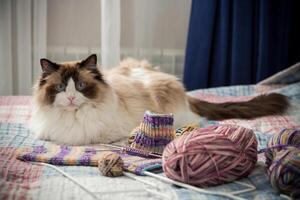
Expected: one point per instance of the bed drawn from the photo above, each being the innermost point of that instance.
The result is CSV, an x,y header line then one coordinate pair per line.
x,y
22,180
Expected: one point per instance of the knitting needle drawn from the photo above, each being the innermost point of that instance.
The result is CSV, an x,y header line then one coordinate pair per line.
x,y
139,179
69,177
91,150
285,196
167,180
147,183
129,148
250,188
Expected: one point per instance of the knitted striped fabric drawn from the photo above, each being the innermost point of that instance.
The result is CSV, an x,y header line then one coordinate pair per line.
x,y
83,156
154,132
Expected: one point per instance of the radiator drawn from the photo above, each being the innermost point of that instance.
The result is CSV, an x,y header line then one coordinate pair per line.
x,y
169,60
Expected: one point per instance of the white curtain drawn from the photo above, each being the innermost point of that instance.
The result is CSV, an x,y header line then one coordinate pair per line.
x,y
5,48
23,42
154,30
110,33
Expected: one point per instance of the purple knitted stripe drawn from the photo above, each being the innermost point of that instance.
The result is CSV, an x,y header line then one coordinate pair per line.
x,y
85,159
147,141
158,120
32,155
28,157
39,149
59,158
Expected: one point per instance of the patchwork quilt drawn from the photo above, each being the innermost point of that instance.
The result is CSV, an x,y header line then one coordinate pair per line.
x,y
22,180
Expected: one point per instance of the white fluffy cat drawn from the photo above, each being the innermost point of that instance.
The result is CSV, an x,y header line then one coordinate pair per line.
x,y
76,104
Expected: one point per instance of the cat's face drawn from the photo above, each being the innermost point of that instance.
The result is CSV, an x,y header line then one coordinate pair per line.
x,y
70,85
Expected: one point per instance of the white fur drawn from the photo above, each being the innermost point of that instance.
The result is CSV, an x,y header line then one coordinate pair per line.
x,y
89,123
141,75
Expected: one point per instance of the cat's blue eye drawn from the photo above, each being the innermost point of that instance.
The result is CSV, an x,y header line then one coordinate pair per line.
x,y
60,87
80,85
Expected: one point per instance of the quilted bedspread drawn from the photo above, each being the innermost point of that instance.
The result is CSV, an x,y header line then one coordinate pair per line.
x,y
21,180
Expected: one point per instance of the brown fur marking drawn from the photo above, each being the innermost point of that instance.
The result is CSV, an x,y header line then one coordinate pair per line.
x,y
263,105
46,91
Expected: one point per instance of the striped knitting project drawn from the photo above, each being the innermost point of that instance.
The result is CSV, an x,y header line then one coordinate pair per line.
x,y
154,132
83,156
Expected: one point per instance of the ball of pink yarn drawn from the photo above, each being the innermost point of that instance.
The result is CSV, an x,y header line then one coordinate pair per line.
x,y
211,156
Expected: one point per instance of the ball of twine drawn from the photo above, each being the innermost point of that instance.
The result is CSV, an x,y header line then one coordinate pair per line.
x,y
283,162
110,164
211,156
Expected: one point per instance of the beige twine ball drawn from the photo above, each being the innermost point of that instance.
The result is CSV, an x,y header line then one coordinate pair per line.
x,y
110,164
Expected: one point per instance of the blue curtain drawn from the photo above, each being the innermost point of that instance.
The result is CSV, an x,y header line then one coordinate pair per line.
x,y
233,42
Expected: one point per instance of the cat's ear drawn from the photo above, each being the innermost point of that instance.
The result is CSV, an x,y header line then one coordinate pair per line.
x,y
90,62
48,66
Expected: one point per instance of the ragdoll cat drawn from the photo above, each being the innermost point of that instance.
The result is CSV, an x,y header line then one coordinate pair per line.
x,y
76,104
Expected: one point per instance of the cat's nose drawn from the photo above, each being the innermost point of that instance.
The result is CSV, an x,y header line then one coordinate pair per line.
x,y
71,98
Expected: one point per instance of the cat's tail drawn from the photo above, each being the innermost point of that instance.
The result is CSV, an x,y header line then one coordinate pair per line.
x,y
263,105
